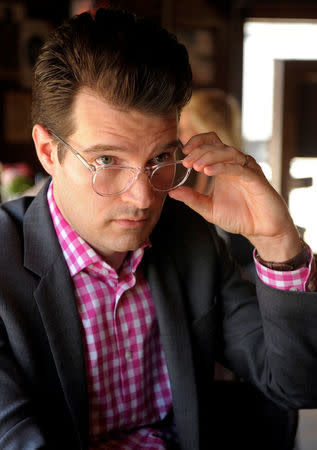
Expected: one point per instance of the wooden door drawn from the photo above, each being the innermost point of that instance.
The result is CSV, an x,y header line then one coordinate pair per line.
x,y
294,121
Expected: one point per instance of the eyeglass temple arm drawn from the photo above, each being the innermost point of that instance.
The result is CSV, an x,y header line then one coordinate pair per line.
x,y
78,155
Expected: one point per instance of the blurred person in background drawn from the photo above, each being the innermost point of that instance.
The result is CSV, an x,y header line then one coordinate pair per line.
x,y
211,109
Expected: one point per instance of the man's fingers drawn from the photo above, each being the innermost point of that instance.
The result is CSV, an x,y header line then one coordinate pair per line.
x,y
228,169
205,156
210,138
200,154
196,201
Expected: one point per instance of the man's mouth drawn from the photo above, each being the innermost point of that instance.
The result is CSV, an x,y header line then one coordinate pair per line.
x,y
131,222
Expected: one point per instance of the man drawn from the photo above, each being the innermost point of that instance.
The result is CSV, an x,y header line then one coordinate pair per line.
x,y
115,307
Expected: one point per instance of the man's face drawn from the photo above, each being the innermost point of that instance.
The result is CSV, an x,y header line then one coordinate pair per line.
x,y
112,225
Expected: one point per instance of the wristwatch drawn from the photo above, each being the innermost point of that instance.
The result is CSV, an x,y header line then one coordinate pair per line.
x,y
300,260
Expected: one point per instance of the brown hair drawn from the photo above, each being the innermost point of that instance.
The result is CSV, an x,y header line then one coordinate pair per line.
x,y
128,61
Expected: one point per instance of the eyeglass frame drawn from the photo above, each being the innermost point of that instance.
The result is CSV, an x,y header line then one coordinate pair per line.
x,y
150,170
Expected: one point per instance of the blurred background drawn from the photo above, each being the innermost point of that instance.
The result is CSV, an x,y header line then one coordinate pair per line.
x,y
263,53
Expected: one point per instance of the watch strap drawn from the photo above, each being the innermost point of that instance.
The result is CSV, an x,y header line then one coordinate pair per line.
x,y
300,260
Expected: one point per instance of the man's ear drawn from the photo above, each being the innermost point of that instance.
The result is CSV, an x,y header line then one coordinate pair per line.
x,y
45,148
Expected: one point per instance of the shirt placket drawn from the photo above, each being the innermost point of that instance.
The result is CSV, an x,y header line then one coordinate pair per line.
x,y
122,321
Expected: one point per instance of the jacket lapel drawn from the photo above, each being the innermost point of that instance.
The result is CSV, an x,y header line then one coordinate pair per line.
x,y
57,305
167,296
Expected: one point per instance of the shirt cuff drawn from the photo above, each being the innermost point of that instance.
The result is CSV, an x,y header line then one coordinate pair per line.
x,y
302,279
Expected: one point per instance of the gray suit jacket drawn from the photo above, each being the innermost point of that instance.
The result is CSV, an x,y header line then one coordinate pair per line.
x,y
205,311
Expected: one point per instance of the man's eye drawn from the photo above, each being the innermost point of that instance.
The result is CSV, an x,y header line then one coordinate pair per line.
x,y
105,160
163,157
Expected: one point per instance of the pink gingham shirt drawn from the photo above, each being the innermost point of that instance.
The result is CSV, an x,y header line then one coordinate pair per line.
x,y
302,279
128,383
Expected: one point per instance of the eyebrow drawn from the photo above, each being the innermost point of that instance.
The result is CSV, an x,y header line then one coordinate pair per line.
x,y
101,148
98,148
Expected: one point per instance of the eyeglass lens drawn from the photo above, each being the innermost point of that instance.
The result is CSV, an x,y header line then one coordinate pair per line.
x,y
167,177
113,180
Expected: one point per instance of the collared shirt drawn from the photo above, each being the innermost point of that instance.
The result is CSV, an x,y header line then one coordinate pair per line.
x,y
128,383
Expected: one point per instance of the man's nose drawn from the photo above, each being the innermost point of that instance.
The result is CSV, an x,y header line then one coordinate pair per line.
x,y
141,193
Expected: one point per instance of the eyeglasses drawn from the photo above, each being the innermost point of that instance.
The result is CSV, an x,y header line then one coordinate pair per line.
x,y
111,180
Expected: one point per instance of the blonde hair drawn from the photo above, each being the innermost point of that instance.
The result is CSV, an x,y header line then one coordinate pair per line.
x,y
212,109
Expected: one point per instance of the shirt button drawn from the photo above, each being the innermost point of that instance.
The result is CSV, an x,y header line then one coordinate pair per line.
x,y
128,355
293,288
157,435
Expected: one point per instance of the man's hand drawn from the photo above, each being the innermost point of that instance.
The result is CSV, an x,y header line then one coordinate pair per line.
x,y
241,199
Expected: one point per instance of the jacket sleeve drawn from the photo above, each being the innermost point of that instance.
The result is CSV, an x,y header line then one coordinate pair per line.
x,y
20,393
18,427
268,336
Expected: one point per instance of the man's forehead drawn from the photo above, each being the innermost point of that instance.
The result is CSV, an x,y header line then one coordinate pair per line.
x,y
87,98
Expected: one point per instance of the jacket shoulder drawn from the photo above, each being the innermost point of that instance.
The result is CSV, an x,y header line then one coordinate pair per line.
x,y
184,233
11,229
176,214
12,213
178,220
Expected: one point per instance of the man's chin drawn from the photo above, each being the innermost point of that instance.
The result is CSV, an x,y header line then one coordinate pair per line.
x,y
129,239
124,242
